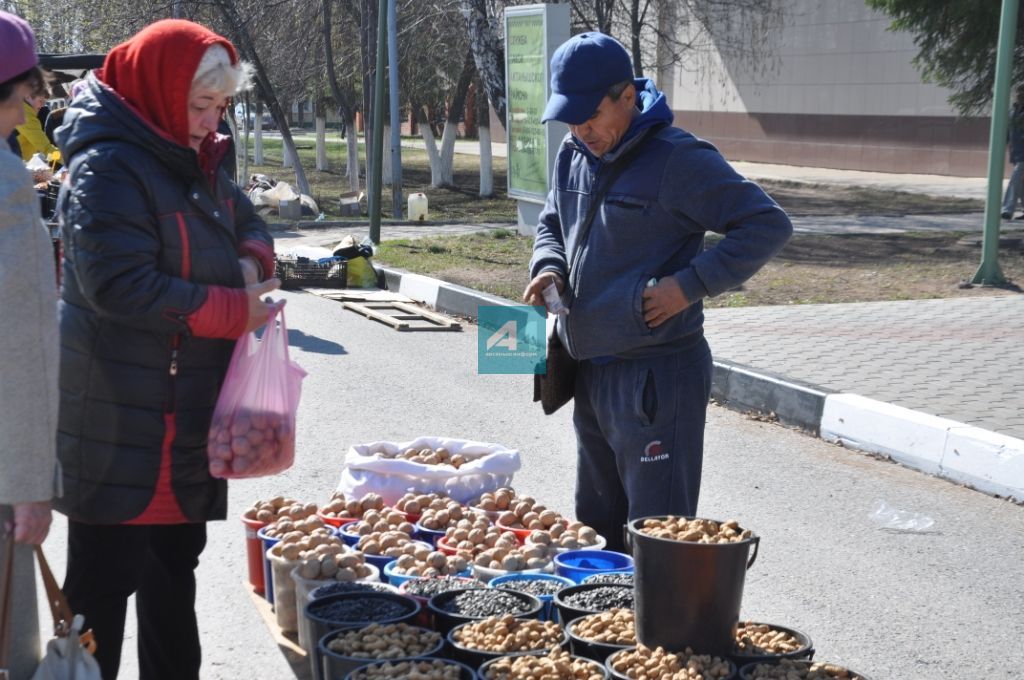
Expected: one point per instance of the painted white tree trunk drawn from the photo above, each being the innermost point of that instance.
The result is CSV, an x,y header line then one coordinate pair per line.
x,y
486,164
446,167
321,144
352,144
432,156
286,157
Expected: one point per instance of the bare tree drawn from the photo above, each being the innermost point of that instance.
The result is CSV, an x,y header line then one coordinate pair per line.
x,y
483,116
483,23
239,31
344,97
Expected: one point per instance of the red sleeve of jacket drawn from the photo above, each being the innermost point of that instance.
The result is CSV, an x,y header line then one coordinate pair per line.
x,y
223,315
260,251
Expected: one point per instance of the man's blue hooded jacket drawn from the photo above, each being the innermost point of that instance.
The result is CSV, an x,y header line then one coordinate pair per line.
x,y
652,223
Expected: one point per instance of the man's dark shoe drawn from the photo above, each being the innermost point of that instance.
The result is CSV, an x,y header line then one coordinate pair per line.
x,y
1005,215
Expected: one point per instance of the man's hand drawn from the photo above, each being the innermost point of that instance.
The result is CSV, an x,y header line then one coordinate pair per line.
x,y
31,522
259,309
663,301
250,270
534,293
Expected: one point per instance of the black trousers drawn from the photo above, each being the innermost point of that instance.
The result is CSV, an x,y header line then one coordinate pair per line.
x,y
108,563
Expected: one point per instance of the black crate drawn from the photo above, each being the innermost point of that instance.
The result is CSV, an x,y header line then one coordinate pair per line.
x,y
302,273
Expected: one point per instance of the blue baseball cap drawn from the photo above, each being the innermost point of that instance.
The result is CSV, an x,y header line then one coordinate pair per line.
x,y
582,70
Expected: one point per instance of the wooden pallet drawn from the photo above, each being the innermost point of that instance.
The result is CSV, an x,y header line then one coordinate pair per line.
x,y
403,316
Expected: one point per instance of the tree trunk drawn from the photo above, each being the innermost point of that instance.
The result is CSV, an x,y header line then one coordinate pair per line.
x,y
367,47
430,143
266,90
346,109
321,144
352,148
483,119
257,153
385,171
488,52
446,176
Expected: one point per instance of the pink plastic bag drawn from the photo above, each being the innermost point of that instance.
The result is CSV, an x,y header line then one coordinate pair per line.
x,y
253,428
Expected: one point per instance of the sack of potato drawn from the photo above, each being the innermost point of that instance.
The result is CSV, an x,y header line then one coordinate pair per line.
x,y
457,468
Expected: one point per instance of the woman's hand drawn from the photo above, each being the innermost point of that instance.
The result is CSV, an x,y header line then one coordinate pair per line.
x,y
31,522
259,309
250,270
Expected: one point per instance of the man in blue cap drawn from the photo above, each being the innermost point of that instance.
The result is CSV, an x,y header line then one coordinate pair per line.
x,y
628,258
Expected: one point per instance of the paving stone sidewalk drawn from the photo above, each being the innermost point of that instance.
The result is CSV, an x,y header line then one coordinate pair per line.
x,y
961,359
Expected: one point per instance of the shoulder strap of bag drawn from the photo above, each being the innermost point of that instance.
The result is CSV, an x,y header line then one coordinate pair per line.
x,y
615,168
6,590
63,617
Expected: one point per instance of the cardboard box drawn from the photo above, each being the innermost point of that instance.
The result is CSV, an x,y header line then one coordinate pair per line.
x,y
350,204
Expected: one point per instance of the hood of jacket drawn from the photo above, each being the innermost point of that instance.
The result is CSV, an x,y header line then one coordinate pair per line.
x,y
99,114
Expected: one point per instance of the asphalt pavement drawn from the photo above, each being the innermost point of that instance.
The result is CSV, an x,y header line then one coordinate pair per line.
x,y
946,603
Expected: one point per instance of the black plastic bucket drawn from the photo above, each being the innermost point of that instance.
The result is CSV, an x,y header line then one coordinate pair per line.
x,y
749,672
688,594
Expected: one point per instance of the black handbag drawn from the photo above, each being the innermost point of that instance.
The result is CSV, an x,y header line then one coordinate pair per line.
x,y
556,386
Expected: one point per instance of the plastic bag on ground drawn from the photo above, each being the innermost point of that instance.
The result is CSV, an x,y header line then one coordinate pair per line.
x,y
253,428
490,467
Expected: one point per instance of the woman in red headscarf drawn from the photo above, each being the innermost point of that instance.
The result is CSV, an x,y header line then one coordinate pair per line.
x,y
165,265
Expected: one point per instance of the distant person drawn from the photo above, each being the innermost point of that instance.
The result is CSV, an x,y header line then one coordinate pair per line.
x,y
31,135
1015,187
165,266
635,277
28,353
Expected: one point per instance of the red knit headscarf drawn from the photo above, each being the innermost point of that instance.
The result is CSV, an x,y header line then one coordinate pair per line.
x,y
153,71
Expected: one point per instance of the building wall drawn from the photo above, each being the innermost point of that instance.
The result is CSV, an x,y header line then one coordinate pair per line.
x,y
844,94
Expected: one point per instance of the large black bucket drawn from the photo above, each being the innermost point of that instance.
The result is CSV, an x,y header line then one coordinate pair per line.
x,y
688,594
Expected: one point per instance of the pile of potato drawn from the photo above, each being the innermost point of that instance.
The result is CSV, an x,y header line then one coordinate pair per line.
x,y
502,499
385,641
340,508
333,562
565,535
426,456
507,634
443,513
377,521
801,670
420,561
470,537
760,638
297,522
657,664
557,665
510,556
414,669
387,543
415,503
695,530
613,627
271,510
250,443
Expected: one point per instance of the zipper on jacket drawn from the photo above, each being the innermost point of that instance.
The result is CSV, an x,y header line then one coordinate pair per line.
x,y
172,375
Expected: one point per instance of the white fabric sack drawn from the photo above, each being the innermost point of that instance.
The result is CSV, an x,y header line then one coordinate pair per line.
x,y
490,466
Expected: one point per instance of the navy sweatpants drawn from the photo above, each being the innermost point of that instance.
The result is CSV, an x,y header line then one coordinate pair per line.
x,y
640,438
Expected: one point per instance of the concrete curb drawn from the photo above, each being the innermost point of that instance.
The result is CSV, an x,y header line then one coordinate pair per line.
x,y
985,460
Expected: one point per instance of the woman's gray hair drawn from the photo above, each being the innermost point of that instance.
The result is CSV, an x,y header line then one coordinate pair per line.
x,y
216,72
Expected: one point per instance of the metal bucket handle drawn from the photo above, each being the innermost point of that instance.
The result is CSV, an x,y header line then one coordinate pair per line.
x,y
757,542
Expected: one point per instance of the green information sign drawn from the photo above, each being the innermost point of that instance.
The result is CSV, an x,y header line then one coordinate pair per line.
x,y
526,62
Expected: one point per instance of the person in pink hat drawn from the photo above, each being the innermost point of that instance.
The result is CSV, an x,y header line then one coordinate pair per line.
x,y
28,356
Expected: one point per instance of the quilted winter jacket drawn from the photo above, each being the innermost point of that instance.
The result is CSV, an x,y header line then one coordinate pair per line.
x,y
144,233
